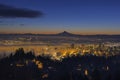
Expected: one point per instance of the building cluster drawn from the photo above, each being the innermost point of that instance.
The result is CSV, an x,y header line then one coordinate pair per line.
x,y
59,50
83,49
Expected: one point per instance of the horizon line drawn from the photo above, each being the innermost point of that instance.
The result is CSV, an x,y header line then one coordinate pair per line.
x,y
32,33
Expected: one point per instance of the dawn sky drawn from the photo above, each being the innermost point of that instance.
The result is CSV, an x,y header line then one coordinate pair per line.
x,y
54,16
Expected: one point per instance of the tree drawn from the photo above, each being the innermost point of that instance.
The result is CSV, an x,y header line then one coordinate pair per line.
x,y
96,75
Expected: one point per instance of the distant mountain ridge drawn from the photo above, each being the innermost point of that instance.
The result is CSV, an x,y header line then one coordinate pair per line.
x,y
65,33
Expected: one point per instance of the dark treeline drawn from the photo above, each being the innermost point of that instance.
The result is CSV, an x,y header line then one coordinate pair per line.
x,y
27,66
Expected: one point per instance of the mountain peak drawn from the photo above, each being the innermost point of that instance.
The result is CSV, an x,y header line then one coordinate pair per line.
x,y
65,33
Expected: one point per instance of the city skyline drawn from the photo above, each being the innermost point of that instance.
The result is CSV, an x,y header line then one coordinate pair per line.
x,y
59,39
51,17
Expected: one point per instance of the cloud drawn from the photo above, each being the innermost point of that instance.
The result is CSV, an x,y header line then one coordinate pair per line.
x,y
1,21
13,12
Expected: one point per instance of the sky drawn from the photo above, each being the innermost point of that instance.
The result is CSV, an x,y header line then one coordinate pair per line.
x,y
54,16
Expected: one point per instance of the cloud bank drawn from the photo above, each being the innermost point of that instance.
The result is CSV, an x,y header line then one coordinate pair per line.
x,y
13,12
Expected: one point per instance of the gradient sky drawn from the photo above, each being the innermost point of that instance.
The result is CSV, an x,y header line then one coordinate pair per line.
x,y
76,16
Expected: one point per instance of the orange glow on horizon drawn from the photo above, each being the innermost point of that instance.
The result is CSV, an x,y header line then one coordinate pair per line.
x,y
82,33
79,31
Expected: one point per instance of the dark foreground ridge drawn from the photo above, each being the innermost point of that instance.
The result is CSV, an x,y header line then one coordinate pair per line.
x,y
27,66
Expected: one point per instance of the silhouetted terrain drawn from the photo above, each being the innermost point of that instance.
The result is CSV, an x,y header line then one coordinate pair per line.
x,y
27,66
64,33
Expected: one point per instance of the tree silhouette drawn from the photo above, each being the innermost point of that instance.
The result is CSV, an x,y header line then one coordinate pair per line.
x,y
96,75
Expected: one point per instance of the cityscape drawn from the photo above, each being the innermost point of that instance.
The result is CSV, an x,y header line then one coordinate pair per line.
x,y
61,45
59,40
